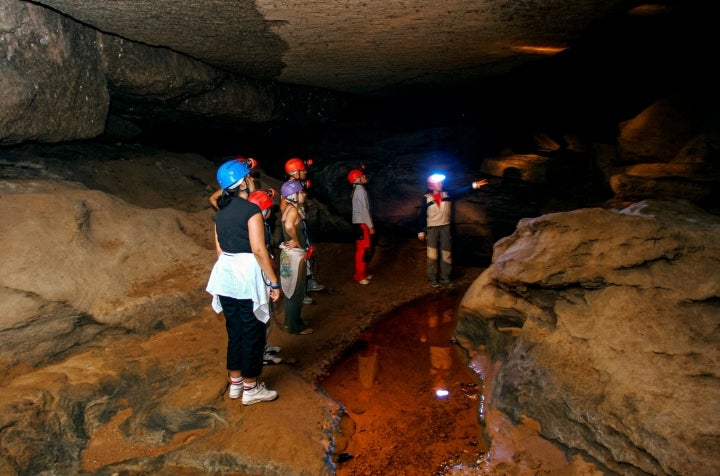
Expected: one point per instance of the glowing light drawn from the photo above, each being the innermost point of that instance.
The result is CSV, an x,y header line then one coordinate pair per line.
x,y
442,393
436,178
649,9
539,50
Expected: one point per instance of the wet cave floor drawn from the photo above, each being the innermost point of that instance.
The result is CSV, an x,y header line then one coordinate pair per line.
x,y
412,403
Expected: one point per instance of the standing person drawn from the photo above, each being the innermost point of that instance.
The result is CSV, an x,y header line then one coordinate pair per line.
x,y
293,250
264,200
435,226
296,169
239,283
251,164
363,224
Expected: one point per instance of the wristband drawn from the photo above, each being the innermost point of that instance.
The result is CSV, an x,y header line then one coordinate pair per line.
x,y
274,286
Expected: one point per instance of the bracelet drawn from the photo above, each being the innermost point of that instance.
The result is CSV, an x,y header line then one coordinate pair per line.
x,y
274,286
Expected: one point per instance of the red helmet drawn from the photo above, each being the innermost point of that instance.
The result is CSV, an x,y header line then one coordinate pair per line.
x,y
354,175
249,162
262,198
297,164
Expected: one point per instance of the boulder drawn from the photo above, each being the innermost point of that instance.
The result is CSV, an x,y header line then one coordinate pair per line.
x,y
606,328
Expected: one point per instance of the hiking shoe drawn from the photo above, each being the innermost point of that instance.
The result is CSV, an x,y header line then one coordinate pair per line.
x,y
314,286
308,300
364,281
445,281
271,359
236,388
259,393
272,349
434,284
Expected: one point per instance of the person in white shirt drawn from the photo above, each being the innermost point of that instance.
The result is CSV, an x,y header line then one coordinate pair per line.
x,y
363,225
435,226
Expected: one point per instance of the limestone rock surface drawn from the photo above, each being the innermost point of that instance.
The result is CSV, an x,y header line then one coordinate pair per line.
x,y
606,324
50,65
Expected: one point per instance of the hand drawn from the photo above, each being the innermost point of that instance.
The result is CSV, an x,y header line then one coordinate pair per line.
x,y
421,236
479,183
275,294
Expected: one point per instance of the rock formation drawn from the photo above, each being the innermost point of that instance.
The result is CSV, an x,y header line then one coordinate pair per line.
x,y
606,324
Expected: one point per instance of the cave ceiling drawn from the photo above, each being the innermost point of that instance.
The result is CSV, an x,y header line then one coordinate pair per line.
x,y
363,47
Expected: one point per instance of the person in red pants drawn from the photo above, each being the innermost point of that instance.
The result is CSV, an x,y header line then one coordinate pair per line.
x,y
362,224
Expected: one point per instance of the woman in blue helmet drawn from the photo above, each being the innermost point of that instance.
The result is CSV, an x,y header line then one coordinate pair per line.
x,y
293,256
243,283
251,164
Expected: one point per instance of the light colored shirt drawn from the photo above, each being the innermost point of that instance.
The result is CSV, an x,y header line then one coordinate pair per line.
x,y
361,206
438,214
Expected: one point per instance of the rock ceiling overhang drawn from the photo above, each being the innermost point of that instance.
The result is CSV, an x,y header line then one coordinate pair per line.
x,y
357,46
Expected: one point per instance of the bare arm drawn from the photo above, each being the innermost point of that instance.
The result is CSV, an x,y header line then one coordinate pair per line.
x,y
290,224
256,231
214,198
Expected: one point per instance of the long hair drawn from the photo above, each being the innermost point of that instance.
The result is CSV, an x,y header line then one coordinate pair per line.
x,y
226,196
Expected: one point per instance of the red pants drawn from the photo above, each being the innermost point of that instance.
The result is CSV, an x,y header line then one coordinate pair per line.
x,y
362,248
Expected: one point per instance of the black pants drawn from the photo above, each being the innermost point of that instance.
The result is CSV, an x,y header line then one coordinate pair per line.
x,y
246,337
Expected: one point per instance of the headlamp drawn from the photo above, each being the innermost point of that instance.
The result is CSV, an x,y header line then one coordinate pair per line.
x,y
436,178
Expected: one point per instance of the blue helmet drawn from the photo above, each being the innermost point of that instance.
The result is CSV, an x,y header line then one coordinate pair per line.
x,y
291,187
231,172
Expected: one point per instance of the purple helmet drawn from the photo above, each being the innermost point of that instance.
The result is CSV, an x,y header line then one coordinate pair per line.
x,y
291,187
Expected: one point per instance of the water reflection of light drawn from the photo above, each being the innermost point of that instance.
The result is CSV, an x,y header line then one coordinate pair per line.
x,y
440,323
408,367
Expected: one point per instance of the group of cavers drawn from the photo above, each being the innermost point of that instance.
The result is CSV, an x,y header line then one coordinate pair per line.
x,y
245,280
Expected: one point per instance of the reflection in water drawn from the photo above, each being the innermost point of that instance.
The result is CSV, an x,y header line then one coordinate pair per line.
x,y
367,362
440,327
410,395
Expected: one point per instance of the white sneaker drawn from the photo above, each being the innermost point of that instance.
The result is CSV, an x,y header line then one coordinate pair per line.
x,y
364,281
271,359
236,390
259,393
308,300
369,276
272,349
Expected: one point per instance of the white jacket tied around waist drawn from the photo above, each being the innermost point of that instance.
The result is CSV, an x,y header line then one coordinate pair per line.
x,y
239,276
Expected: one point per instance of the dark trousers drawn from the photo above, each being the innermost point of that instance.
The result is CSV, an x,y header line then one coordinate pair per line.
x,y
439,248
246,336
